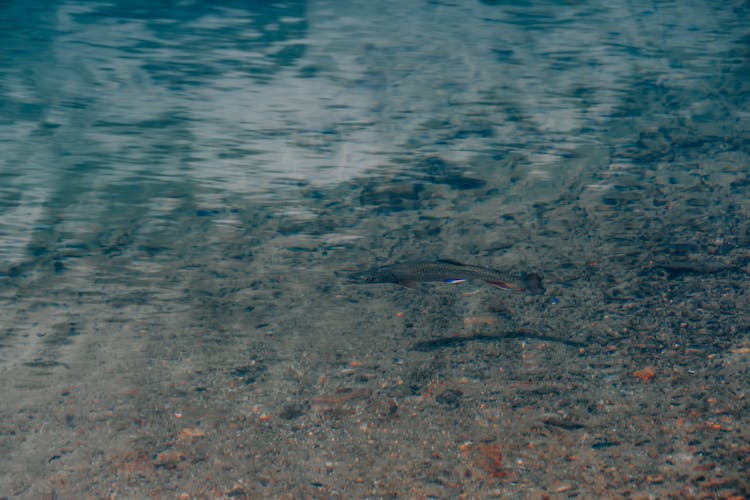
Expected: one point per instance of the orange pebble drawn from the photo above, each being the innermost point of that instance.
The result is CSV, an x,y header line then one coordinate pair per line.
x,y
479,320
464,447
646,375
191,432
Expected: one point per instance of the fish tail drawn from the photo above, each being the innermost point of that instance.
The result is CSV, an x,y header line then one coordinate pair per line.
x,y
533,283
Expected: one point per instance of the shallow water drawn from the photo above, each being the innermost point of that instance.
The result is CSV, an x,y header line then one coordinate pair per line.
x,y
180,183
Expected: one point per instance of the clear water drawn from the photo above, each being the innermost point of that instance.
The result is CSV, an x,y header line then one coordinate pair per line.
x,y
180,182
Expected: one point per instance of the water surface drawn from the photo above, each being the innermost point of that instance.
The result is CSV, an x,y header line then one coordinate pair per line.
x,y
180,182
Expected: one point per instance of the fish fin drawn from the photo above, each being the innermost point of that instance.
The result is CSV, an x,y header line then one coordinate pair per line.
x,y
454,280
505,286
407,284
451,261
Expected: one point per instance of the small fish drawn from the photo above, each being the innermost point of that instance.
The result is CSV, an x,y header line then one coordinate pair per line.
x,y
448,271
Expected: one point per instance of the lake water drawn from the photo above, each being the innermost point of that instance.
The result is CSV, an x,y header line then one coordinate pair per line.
x,y
183,183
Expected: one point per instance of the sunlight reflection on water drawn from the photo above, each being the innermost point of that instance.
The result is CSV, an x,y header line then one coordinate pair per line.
x,y
134,119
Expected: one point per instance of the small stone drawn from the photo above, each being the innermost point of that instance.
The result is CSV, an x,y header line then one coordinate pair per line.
x,y
292,411
450,398
646,375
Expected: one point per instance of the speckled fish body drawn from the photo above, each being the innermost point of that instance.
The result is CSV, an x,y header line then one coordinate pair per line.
x,y
408,273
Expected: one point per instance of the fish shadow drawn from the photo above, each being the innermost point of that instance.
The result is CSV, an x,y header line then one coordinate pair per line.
x,y
452,342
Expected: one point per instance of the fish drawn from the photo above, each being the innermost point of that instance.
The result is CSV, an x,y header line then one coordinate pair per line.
x,y
448,271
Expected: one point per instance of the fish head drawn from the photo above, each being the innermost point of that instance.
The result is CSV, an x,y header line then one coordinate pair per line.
x,y
363,277
375,275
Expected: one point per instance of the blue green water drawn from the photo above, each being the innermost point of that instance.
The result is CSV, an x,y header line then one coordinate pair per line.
x,y
180,182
